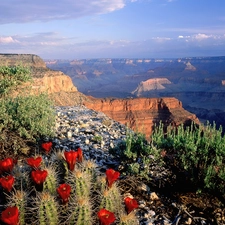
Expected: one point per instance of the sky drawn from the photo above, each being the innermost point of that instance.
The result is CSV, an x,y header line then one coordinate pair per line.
x,y
84,29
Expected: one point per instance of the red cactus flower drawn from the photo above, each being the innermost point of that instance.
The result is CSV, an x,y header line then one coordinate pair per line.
x,y
10,216
47,146
7,182
111,176
6,165
34,162
106,217
130,204
64,192
39,176
71,158
79,155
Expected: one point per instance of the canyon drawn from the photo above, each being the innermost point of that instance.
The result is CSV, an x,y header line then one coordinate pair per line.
x,y
198,82
140,114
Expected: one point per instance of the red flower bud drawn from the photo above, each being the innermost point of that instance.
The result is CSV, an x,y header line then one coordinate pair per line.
x,y
10,216
106,217
111,176
130,204
64,192
79,155
47,146
34,162
7,182
39,176
6,165
71,158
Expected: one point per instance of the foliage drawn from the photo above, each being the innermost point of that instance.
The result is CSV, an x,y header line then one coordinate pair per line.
x,y
97,138
11,78
136,154
198,151
31,116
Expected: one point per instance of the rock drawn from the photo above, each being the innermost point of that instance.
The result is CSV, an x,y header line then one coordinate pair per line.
x,y
60,86
143,113
153,196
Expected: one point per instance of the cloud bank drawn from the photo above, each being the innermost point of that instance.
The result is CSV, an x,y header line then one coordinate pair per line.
x,y
23,11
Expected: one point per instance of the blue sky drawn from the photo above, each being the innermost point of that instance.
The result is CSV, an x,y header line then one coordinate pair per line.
x,y
78,29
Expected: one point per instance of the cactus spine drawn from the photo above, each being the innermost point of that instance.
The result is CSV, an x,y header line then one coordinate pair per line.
x,y
47,209
19,199
51,181
81,178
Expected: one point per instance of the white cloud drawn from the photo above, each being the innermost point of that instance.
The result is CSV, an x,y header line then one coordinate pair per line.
x,y
20,11
161,39
201,36
7,40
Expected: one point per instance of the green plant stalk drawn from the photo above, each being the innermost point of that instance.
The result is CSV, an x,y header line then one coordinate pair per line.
x,y
84,215
111,199
48,209
82,188
51,182
41,214
19,199
51,212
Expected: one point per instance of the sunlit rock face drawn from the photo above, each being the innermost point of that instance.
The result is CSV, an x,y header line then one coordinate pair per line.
x,y
150,84
141,114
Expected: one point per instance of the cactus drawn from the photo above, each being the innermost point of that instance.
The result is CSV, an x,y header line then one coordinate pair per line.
x,y
128,219
51,182
19,199
47,209
81,179
89,192
111,199
84,211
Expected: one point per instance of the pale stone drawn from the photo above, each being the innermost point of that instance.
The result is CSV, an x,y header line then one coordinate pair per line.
x,y
153,196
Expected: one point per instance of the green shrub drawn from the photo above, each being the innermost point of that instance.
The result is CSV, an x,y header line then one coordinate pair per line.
x,y
11,78
199,152
97,138
29,115
136,155
196,151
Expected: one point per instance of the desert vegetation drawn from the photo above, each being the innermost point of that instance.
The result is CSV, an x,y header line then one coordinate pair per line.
x,y
61,187
195,152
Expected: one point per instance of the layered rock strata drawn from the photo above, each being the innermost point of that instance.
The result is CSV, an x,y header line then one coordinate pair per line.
x,y
141,114
44,79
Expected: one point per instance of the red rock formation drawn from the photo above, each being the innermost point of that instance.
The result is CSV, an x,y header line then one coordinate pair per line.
x,y
141,114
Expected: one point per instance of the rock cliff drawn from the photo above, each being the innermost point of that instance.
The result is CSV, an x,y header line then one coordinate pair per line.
x,y
56,83
149,85
141,114
44,79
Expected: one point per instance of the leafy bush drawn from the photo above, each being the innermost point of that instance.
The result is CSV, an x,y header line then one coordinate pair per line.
x,y
136,154
29,115
11,78
199,152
